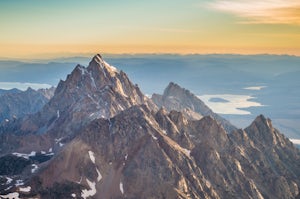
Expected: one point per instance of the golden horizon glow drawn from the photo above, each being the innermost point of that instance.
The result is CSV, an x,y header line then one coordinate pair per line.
x,y
54,51
35,29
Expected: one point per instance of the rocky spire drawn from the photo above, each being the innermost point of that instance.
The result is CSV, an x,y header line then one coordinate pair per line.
x,y
180,99
96,91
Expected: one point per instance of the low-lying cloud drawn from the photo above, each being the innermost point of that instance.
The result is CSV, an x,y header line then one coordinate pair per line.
x,y
255,88
22,86
232,104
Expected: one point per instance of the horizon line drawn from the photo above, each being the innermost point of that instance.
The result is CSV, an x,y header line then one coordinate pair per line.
x,y
50,56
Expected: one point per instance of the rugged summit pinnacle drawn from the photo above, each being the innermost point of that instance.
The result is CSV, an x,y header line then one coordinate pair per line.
x,y
180,99
96,91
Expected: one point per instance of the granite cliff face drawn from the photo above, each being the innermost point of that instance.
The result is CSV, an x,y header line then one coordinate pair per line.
x,y
102,138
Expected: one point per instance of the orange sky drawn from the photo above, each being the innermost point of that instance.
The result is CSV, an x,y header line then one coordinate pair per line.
x,y
57,28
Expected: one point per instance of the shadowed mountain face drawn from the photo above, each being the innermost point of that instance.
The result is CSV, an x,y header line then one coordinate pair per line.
x,y
14,90
16,104
100,137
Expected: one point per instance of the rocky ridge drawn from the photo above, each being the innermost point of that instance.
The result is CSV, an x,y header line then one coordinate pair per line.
x,y
130,149
88,93
4,91
16,104
180,99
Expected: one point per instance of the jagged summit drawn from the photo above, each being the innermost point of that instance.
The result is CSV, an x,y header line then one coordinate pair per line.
x,y
261,130
93,77
98,64
96,91
175,90
98,58
180,99
263,120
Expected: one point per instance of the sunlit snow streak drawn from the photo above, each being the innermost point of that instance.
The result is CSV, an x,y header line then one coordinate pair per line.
x,y
121,188
92,156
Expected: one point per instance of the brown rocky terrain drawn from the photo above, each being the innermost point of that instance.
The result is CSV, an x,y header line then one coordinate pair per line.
x,y
100,137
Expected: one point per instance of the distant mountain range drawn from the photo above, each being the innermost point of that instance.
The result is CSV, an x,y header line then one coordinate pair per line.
x,y
16,104
99,136
202,74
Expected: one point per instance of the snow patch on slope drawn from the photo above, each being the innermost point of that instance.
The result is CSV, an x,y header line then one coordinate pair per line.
x,y
92,156
24,155
187,152
99,175
19,183
34,169
91,192
25,189
9,180
13,195
121,188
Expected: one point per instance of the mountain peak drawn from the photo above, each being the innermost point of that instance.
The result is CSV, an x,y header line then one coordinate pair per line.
x,y
262,120
88,93
172,85
98,57
29,89
174,89
261,130
98,64
181,99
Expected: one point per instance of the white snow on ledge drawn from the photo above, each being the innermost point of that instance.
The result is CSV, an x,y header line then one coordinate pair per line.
x,y
24,155
121,188
34,169
91,192
13,195
187,152
295,141
19,183
25,189
9,180
112,68
92,156
99,177
154,137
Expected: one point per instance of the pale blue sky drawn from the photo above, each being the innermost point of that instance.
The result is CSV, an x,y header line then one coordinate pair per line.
x,y
34,27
